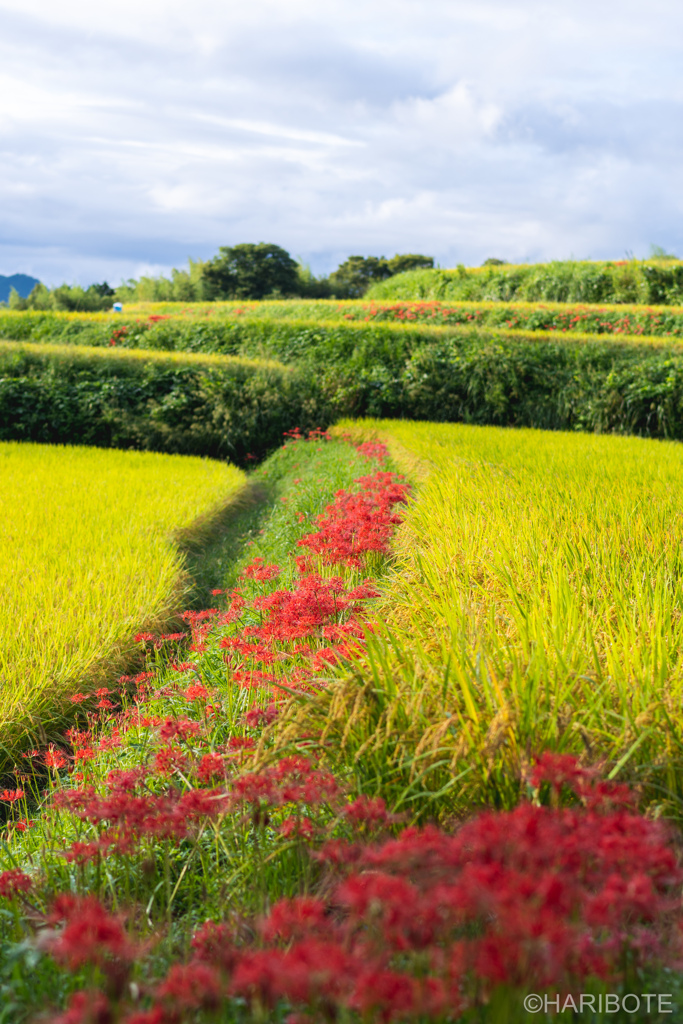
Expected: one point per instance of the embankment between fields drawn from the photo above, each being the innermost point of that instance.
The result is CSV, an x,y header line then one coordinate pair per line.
x,y
239,408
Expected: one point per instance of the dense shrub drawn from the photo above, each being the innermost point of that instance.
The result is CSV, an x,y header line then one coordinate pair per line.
x,y
553,385
217,407
231,407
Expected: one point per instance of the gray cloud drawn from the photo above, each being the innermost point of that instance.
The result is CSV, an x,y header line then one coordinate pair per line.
x,y
135,134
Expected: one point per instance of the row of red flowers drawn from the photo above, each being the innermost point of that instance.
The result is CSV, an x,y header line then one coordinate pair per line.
x,y
529,316
387,924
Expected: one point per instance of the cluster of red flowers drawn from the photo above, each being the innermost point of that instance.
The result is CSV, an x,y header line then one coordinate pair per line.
x,y
530,316
426,925
359,521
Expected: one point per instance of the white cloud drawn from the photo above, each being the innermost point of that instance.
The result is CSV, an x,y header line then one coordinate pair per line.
x,y
143,131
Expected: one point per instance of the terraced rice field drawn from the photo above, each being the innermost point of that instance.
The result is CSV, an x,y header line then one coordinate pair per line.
x,y
89,550
230,844
423,755
535,604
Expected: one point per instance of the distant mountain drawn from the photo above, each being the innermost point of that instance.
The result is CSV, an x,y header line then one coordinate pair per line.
x,y
22,282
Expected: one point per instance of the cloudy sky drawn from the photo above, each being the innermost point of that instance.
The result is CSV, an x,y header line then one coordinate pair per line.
x,y
135,134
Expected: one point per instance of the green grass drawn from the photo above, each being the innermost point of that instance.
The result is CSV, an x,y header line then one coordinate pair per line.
x,y
133,357
90,545
653,281
536,603
225,864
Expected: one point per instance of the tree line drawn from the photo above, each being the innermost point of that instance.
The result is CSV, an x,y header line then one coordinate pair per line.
x,y
246,271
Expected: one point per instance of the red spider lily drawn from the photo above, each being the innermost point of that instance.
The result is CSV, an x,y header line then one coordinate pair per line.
x,y
89,1007
147,638
358,522
295,919
23,824
253,678
54,759
184,666
13,882
89,935
292,623
78,698
10,796
596,793
78,738
261,716
387,995
210,767
260,571
373,451
237,743
192,987
292,780
135,719
170,759
84,754
198,803
308,971
111,742
297,828
82,853
126,781
194,617
213,944
182,729
196,692
535,896
369,811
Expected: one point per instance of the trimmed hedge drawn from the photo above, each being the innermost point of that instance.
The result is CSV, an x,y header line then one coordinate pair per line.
x,y
638,321
288,341
556,385
223,408
369,336
235,408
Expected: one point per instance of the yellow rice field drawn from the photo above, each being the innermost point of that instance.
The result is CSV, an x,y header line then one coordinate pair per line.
x,y
89,554
536,603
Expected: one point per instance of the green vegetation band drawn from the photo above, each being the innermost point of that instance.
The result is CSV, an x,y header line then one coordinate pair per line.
x,y
235,407
658,282
223,410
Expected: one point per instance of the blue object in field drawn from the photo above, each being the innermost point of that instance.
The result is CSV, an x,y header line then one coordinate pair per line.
x,y
118,307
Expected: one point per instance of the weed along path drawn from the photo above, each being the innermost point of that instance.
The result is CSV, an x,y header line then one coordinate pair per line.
x,y
299,811
90,545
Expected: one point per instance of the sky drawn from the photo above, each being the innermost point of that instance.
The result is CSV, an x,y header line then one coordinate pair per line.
x,y
136,134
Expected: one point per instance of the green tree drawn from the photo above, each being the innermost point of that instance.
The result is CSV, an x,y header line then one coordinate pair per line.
x,y
399,264
355,275
71,298
249,271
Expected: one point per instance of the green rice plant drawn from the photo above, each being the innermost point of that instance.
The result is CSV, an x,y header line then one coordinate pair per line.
x,y
90,547
535,603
